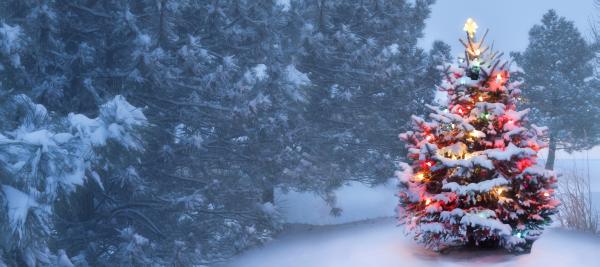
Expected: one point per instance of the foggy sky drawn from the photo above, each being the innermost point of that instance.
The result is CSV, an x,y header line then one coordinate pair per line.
x,y
509,21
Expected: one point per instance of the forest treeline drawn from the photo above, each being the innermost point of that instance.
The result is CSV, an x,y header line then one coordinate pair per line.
x,y
142,133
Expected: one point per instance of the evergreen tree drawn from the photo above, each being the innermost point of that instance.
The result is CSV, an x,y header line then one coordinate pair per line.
x,y
367,75
237,104
44,160
472,178
556,70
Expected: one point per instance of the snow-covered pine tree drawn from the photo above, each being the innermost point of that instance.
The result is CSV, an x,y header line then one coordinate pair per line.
x,y
560,84
43,159
473,178
361,57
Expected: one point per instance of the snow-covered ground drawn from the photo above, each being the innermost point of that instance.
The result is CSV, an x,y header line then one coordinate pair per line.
x,y
379,243
361,202
342,241
358,202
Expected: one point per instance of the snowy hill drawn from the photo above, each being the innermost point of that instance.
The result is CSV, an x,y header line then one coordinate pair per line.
x,y
379,243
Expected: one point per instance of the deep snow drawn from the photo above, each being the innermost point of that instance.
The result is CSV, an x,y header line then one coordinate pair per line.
x,y
380,243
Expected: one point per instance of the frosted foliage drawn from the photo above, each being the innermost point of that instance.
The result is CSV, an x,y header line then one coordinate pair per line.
x,y
117,118
44,156
284,4
18,206
11,42
296,80
485,222
295,77
133,249
484,186
260,72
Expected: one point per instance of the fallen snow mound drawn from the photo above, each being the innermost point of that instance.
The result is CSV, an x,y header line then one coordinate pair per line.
x,y
379,243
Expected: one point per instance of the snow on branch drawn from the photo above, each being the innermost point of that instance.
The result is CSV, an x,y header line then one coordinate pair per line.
x,y
481,187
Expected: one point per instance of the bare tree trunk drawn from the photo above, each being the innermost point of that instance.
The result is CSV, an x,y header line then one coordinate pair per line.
x,y
268,195
321,15
551,153
162,31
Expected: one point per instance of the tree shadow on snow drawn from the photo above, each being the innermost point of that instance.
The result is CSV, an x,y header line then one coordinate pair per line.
x,y
466,254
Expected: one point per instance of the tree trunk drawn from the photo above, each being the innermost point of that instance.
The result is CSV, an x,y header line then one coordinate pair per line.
x,y
321,15
268,195
162,31
551,154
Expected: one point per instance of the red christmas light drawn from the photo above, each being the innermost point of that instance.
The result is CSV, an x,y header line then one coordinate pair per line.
x,y
524,164
427,164
497,80
534,146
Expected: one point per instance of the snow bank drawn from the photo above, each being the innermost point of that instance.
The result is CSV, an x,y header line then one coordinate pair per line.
x,y
382,244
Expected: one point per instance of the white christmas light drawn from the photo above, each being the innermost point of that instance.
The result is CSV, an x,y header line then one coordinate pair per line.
x,y
470,27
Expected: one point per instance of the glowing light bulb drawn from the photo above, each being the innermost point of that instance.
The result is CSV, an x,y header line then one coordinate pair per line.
x,y
519,234
429,137
480,98
499,191
546,194
427,201
498,78
429,163
470,27
419,176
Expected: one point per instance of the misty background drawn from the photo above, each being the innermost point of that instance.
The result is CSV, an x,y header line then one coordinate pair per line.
x,y
140,133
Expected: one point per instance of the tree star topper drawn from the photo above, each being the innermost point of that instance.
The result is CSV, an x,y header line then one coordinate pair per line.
x,y
470,27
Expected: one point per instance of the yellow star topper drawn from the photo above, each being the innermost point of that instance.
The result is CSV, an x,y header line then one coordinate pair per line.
x,y
470,27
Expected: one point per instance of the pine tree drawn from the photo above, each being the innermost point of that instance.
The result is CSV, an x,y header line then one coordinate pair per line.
x,y
237,102
557,71
362,59
473,178
43,160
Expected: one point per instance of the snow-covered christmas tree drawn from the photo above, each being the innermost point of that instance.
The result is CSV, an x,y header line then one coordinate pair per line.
x,y
473,178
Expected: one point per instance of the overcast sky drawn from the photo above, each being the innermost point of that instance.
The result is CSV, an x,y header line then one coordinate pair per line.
x,y
509,22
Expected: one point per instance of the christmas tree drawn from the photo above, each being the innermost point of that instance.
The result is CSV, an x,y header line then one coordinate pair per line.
x,y
472,178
